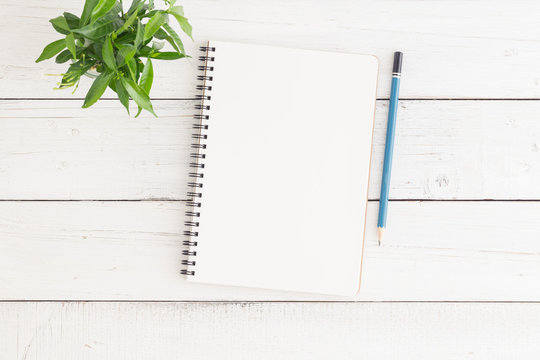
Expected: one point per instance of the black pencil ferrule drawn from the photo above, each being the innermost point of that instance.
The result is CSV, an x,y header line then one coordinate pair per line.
x,y
398,58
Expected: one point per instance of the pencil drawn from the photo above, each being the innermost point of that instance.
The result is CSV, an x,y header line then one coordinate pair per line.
x,y
389,148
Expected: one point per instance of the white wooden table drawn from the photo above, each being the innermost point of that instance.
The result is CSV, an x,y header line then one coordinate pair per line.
x,y
91,200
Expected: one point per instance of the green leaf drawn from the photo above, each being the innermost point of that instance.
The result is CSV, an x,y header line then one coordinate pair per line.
x,y
108,54
127,38
178,10
138,95
143,10
97,89
148,52
127,24
140,34
52,49
60,24
147,77
72,20
166,55
149,14
179,45
157,45
125,54
140,68
173,44
135,6
71,77
95,50
145,51
161,34
103,26
146,80
132,69
102,7
70,43
63,57
89,6
112,85
123,95
154,24
184,24
178,13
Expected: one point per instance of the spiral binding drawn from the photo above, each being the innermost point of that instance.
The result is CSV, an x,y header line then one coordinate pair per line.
x,y
195,194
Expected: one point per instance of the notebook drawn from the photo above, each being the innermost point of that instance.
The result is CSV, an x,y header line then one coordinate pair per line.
x,y
280,165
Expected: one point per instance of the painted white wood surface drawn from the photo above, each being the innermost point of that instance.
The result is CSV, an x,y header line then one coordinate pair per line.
x,y
463,49
444,150
130,250
442,251
35,331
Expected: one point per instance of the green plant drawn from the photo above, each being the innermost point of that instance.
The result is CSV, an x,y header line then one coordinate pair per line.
x,y
111,42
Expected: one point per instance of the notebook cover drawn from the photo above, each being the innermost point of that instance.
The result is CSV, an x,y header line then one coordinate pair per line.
x,y
286,168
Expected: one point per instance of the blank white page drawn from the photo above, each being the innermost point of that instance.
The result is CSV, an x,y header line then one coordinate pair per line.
x,y
286,170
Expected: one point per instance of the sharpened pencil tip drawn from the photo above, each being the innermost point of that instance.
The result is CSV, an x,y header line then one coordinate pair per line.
x,y
381,232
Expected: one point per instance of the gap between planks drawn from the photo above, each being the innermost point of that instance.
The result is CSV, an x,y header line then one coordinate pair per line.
x,y
184,200
195,99
247,302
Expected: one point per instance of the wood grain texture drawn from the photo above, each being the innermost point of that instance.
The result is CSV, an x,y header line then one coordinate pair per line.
x,y
444,150
130,250
133,331
63,152
452,49
443,251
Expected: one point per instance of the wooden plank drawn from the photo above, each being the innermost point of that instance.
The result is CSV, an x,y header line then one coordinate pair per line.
x,y
96,154
444,150
131,251
269,331
468,50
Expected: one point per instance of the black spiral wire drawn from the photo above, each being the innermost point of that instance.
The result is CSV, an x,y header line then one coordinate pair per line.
x,y
197,156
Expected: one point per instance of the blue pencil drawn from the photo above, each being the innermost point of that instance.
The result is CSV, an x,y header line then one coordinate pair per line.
x,y
389,149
